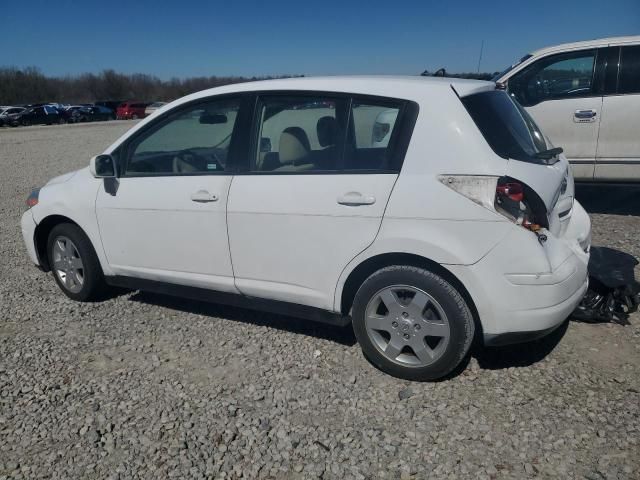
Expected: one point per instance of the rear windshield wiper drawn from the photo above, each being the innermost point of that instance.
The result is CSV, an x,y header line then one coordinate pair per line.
x,y
549,154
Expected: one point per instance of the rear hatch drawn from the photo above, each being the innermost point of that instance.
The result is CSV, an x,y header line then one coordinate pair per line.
x,y
530,158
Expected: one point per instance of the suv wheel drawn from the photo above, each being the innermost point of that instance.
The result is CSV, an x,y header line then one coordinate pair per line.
x,y
74,263
412,323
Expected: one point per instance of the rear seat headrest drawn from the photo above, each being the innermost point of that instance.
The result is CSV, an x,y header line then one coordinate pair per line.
x,y
327,129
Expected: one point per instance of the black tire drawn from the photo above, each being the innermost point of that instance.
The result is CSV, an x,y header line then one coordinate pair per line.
x,y
93,286
26,123
451,302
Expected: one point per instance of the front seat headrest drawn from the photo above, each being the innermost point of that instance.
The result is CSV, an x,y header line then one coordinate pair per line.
x,y
294,146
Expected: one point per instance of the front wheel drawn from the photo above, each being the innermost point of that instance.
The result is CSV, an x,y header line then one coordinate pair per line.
x,y
74,263
412,323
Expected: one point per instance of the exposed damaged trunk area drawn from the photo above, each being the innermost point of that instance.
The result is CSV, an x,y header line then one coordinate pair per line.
x,y
613,292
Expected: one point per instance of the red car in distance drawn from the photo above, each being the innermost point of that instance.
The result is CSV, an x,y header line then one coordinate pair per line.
x,y
130,110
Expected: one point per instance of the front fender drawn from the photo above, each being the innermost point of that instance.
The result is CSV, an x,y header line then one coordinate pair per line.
x,y
74,199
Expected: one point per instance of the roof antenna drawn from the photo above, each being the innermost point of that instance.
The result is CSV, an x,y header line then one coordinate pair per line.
x,y
480,58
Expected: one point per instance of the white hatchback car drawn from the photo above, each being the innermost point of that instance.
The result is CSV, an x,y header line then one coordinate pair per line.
x,y
282,196
586,98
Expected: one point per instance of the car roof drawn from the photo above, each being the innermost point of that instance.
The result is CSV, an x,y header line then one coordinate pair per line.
x,y
404,87
600,42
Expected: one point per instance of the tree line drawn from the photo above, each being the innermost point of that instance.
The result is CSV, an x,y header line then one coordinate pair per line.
x,y
30,85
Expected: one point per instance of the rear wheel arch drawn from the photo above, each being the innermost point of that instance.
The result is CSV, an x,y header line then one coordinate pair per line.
x,y
41,237
372,264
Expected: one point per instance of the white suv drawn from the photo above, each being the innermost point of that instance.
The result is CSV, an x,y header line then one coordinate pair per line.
x,y
289,196
586,97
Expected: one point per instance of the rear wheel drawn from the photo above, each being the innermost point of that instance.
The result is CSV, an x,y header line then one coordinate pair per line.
x,y
134,116
74,263
412,323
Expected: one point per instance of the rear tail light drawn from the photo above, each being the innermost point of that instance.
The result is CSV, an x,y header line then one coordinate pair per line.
x,y
499,194
511,190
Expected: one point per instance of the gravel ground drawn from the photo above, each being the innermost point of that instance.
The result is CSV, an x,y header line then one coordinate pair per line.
x,y
143,386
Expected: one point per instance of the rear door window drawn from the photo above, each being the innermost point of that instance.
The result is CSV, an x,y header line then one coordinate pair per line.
x,y
299,134
324,133
373,130
629,76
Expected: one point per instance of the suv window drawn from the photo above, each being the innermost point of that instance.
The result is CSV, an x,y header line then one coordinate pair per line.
x,y
195,140
629,77
370,145
506,126
299,134
565,75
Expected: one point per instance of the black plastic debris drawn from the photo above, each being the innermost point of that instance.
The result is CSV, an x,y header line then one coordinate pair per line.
x,y
613,292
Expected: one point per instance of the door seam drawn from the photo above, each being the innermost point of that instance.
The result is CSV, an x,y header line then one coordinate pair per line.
x,y
226,221
384,213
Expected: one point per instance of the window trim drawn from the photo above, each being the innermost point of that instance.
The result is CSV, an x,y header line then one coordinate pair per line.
x,y
602,68
407,117
125,150
618,92
593,93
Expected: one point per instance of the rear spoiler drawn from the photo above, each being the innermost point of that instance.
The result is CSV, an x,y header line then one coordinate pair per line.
x,y
468,87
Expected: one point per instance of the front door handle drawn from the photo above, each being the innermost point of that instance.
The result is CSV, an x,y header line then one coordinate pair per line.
x,y
354,199
202,196
584,116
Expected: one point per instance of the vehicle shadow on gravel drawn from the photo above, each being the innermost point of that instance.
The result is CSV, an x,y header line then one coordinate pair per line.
x,y
611,199
493,358
341,335
521,354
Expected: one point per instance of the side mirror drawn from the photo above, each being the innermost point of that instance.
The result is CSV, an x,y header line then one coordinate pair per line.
x,y
103,166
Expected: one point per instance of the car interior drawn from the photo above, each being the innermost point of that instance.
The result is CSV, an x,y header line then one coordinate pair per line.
x,y
294,137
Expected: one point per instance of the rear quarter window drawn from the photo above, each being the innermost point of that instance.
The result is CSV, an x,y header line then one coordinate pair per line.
x,y
506,126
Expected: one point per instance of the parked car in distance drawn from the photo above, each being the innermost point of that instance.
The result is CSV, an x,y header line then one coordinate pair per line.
x,y
36,116
275,195
110,104
6,111
131,111
153,107
91,114
586,98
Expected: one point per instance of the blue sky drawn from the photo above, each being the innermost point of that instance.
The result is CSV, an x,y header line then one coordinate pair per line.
x,y
188,38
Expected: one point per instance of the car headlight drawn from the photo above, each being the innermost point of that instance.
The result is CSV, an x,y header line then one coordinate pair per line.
x,y
32,199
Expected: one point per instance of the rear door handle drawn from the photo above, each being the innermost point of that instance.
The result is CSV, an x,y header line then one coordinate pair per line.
x,y
354,199
584,115
202,196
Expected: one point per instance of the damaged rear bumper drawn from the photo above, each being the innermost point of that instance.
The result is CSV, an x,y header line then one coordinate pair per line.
x,y
523,289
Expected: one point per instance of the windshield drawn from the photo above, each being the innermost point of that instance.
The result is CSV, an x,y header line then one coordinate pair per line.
x,y
506,126
508,69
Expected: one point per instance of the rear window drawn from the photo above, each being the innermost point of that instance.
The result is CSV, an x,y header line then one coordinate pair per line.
x,y
506,126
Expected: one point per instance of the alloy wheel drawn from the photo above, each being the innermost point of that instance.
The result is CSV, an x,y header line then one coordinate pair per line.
x,y
67,264
407,325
